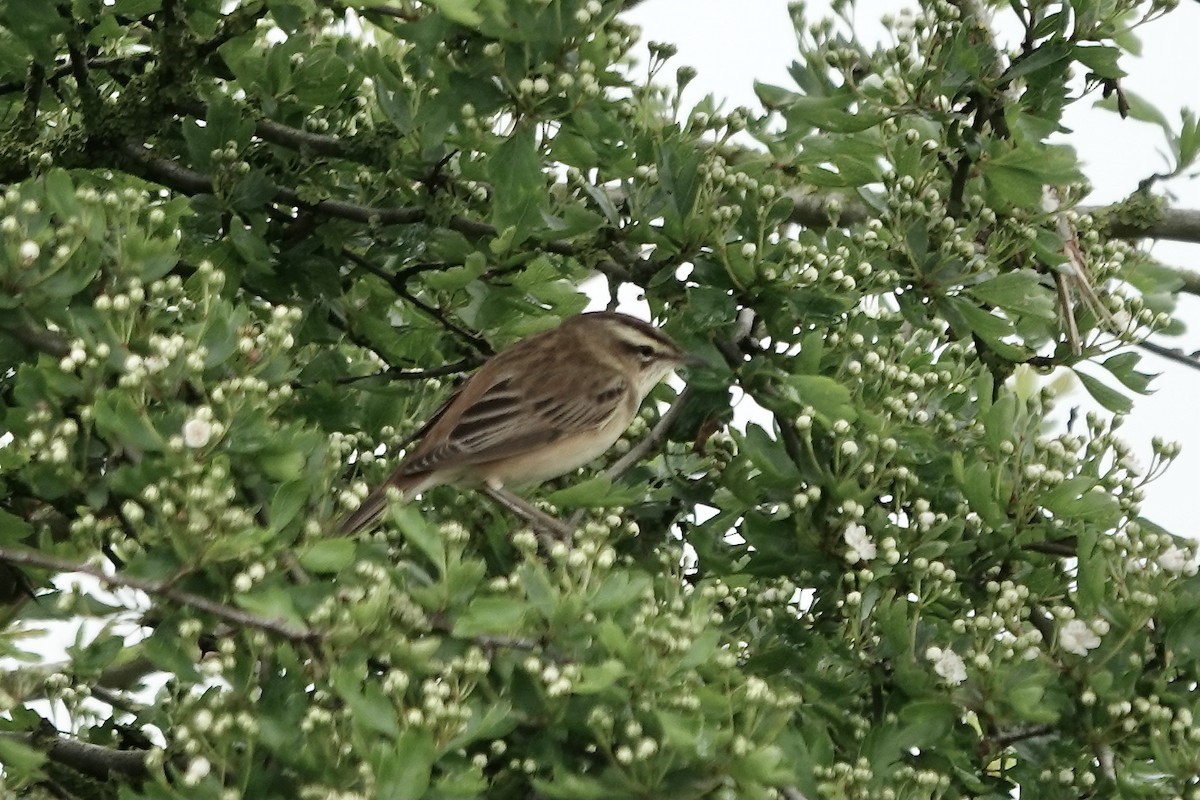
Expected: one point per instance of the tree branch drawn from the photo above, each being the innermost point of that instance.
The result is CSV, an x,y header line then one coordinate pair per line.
x,y
232,614
39,338
90,759
395,374
1176,224
650,440
1173,354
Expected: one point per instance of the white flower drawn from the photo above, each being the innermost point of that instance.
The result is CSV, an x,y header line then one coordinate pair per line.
x,y
925,520
197,770
1076,637
1050,201
1174,559
861,546
197,432
947,664
29,251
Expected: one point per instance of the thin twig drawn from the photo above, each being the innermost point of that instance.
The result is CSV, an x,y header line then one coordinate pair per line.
x,y
230,613
1173,354
395,374
1003,740
650,440
552,527
399,288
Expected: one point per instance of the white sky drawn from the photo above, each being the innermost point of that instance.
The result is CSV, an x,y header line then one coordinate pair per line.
x,y
732,43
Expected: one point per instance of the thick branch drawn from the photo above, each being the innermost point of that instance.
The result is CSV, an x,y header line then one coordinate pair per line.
x,y
39,338
91,759
1176,224
232,614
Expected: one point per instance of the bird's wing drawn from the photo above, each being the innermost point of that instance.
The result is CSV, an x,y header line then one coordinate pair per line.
x,y
501,421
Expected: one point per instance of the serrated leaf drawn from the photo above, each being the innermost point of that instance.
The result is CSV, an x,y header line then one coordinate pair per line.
x,y
1121,366
977,488
21,762
117,418
1102,60
418,532
596,492
598,677
403,771
328,555
1106,396
491,615
515,170
461,11
1021,291
286,504
1139,108
830,399
273,603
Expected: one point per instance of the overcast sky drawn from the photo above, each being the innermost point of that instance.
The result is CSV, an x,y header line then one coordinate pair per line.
x,y
732,43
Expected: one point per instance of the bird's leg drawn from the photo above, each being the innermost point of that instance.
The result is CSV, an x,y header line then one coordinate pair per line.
x,y
551,526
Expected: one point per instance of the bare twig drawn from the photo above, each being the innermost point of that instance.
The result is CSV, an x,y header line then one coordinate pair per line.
x,y
162,589
650,440
394,374
550,526
1173,354
1002,740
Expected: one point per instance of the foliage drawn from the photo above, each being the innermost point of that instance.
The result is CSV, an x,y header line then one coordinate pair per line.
x,y
244,245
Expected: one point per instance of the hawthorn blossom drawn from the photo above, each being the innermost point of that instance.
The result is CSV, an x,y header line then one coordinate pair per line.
x,y
1175,559
947,664
197,432
862,548
1076,637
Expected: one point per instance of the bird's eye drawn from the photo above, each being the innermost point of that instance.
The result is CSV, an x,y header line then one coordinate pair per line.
x,y
646,352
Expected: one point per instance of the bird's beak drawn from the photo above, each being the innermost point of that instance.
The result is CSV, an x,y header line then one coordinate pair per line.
x,y
693,360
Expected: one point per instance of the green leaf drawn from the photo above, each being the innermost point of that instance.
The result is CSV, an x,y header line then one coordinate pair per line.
x,y
999,420
328,555
598,677
993,329
461,11
566,785
977,488
1110,398
830,399
768,455
1121,366
1139,108
286,504
118,420
596,492
1021,291
283,465
1101,60
21,762
403,770
515,170
418,532
12,528
272,602
491,615
1053,53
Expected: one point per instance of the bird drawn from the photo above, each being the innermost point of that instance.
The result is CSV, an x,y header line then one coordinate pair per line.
x,y
542,407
